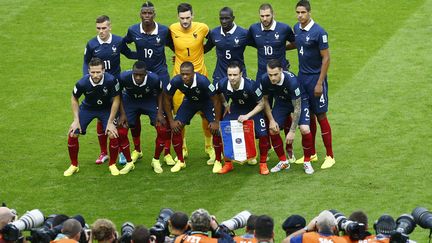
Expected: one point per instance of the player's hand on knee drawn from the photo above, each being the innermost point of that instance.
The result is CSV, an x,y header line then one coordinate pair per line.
x,y
214,127
160,119
111,130
274,127
123,121
290,137
176,126
75,126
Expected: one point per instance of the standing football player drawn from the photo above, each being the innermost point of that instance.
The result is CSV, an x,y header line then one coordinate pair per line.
x,y
107,47
314,60
150,39
188,40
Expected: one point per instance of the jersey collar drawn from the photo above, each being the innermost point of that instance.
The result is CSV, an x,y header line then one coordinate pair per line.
x,y
107,41
194,83
96,84
272,27
308,26
282,79
231,31
143,83
154,32
241,86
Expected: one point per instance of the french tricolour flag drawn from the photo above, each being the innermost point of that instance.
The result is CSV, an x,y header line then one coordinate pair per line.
x,y
238,139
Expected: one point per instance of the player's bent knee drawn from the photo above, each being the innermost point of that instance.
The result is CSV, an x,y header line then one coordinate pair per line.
x,y
304,129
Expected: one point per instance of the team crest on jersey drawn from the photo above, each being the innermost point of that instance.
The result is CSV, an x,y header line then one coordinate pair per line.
x,y
285,91
114,49
158,39
105,90
307,38
197,91
245,95
147,90
277,36
195,35
236,41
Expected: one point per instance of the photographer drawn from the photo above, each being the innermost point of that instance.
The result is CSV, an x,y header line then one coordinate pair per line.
x,y
359,217
293,223
70,233
201,222
6,216
141,235
322,228
248,237
178,225
104,231
264,226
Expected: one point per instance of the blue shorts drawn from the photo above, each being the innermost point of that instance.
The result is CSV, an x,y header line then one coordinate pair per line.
x,y
87,115
305,112
188,109
281,110
165,78
317,105
259,121
136,107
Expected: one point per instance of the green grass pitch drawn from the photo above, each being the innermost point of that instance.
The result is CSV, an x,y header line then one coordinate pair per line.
x,y
380,113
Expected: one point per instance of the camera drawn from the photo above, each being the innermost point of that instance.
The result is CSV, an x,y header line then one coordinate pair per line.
x,y
238,221
126,232
160,228
47,233
422,217
404,226
355,230
12,231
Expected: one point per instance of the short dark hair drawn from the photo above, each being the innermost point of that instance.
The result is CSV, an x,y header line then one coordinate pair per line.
x,y
250,223
147,4
184,7
235,64
102,19
264,227
304,3
187,65
265,6
140,234
71,227
139,65
179,220
227,9
96,61
359,216
274,63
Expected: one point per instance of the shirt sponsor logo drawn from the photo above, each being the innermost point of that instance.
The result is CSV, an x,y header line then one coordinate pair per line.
x,y
257,36
138,38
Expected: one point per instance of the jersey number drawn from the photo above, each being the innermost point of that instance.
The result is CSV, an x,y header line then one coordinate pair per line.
x,y
228,54
268,50
148,53
107,64
301,50
262,122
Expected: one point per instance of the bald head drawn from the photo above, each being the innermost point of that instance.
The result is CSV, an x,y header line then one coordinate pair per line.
x,y
72,228
6,216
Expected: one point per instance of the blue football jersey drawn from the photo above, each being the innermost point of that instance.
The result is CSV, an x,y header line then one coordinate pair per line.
x,y
270,44
97,96
200,91
108,51
310,41
150,47
245,97
286,90
149,89
229,47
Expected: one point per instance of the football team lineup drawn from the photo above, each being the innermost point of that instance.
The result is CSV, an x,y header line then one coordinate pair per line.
x,y
275,100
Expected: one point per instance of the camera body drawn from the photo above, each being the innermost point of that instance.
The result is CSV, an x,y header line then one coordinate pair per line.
x,y
126,232
160,229
31,219
355,230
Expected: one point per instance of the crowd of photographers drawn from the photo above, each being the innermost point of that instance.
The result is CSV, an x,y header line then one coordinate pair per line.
x,y
330,226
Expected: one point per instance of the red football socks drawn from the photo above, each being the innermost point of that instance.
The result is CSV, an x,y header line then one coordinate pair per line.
x,y
307,146
263,144
73,147
326,136
177,142
217,145
101,137
124,143
113,149
278,146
